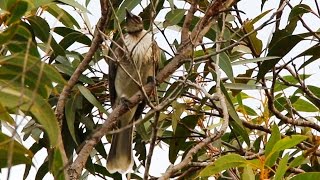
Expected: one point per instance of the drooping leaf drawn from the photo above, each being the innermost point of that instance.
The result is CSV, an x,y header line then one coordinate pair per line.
x,y
295,14
255,43
89,96
20,155
282,42
181,134
17,11
4,115
11,97
63,16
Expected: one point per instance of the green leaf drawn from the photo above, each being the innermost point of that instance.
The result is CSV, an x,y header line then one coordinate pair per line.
x,y
247,173
179,108
297,161
68,32
282,168
88,95
305,106
223,163
173,17
70,110
256,43
63,16
75,4
179,137
20,155
274,138
225,65
256,19
295,14
57,164
286,143
237,125
11,97
240,86
282,42
42,30
17,11
5,116
42,171
121,12
306,176
246,61
69,71
313,51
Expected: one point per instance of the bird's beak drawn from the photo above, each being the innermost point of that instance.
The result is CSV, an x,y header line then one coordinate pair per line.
x,y
129,14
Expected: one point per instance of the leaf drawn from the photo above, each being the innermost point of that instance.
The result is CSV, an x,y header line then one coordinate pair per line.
x,y
88,95
75,4
240,86
69,71
295,14
42,171
173,17
254,41
68,33
63,16
56,165
179,108
5,116
307,175
314,52
256,19
17,11
181,134
225,65
282,168
11,97
274,138
305,106
42,30
297,161
247,173
20,155
121,12
246,61
223,163
70,110
286,143
282,42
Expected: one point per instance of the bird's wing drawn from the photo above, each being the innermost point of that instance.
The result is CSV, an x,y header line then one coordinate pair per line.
x,y
156,59
113,66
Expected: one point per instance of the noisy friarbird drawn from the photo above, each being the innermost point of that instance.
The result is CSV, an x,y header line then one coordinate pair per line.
x,y
132,64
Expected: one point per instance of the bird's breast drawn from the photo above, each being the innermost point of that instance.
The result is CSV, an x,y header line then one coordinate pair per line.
x,y
140,47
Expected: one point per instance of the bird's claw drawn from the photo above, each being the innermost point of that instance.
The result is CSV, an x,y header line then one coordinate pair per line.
x,y
126,102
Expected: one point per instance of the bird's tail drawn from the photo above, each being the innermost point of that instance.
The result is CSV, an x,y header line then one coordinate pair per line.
x,y
120,155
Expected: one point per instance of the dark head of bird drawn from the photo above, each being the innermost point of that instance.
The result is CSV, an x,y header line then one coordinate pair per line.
x,y
134,24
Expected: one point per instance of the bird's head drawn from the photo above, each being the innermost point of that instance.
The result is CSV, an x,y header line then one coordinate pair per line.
x,y
134,23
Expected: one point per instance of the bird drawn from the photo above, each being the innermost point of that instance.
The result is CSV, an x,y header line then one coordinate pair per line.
x,y
133,64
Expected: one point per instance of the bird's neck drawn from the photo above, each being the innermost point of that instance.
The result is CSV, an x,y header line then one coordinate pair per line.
x,y
135,33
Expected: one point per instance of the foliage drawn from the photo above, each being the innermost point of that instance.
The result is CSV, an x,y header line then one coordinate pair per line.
x,y
240,103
